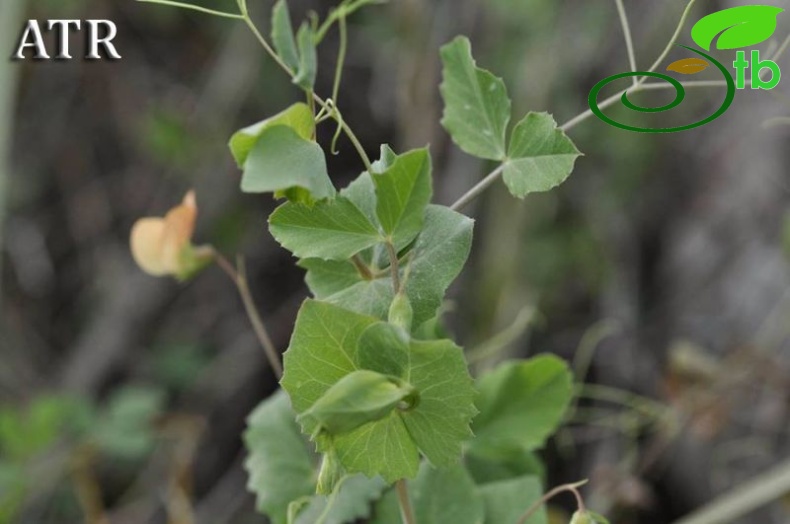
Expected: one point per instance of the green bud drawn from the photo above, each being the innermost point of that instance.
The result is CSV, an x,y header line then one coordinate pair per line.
x,y
582,517
401,313
358,398
330,475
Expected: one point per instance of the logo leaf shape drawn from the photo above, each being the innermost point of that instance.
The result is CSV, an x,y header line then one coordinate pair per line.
x,y
742,26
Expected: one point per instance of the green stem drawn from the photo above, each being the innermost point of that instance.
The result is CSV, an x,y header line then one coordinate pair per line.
x,y
394,266
341,57
407,513
629,42
573,488
191,7
239,277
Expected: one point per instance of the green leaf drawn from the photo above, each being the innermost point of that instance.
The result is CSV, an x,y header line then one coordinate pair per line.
x,y
540,156
358,398
308,61
597,518
506,501
362,192
741,26
438,496
298,117
521,404
476,104
351,502
437,258
326,346
283,35
403,191
283,163
508,464
331,229
387,157
280,465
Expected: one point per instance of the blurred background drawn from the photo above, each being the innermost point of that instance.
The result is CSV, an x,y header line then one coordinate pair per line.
x,y
660,269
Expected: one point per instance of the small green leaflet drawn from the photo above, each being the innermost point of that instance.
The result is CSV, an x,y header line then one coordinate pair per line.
x,y
298,117
283,35
437,258
741,26
281,471
280,465
283,163
326,346
540,156
308,61
476,104
403,190
351,502
330,229
507,500
521,404
439,496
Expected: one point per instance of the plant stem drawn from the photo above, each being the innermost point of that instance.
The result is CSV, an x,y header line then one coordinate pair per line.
x,y
629,43
205,10
675,36
744,498
334,111
341,57
362,268
478,188
394,267
239,277
573,488
406,511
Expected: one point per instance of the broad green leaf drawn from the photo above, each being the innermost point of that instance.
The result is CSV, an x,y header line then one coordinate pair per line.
x,y
283,35
521,404
298,117
280,465
507,500
540,156
741,26
438,256
325,348
330,229
308,61
283,163
403,191
476,104
505,466
387,157
438,496
350,503
362,193
358,398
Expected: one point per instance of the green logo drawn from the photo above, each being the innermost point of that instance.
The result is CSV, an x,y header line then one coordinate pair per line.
x,y
732,28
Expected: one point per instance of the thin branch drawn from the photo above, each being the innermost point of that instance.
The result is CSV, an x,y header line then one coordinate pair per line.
x,y
329,106
573,488
629,42
191,7
478,188
675,36
239,277
407,513
744,498
341,57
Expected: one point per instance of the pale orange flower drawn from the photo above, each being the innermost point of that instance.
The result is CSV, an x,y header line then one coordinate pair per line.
x,y
163,246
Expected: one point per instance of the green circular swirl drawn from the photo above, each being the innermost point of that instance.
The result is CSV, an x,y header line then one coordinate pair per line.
x,y
680,96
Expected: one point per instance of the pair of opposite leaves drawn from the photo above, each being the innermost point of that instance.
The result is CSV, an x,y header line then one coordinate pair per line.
x,y
742,26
